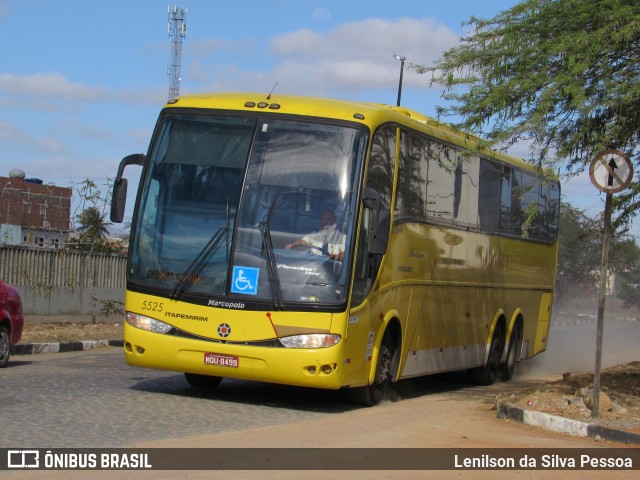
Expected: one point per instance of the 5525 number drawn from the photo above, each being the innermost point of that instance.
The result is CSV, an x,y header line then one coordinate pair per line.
x,y
152,306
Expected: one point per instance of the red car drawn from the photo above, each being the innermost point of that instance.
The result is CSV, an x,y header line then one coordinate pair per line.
x,y
11,320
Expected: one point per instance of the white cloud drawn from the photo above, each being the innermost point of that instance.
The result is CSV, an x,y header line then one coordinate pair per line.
x,y
353,55
52,85
55,92
420,40
321,15
63,170
13,135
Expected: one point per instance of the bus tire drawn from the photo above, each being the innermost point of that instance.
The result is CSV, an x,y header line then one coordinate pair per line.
x,y
508,368
202,381
487,374
371,395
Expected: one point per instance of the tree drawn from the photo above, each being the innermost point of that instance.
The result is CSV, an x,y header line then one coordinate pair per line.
x,y
627,268
579,254
93,227
90,217
92,232
579,258
558,74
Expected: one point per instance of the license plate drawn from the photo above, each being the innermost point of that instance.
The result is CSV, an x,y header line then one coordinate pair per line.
x,y
220,360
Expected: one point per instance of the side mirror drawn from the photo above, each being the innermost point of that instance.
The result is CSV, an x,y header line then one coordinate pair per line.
x,y
118,200
379,224
119,194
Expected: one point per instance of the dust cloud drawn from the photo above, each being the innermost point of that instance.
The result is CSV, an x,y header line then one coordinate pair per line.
x,y
572,340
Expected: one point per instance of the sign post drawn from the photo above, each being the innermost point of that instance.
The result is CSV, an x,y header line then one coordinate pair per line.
x,y
611,171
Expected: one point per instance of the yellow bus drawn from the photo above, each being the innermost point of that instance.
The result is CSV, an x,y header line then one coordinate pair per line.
x,y
332,244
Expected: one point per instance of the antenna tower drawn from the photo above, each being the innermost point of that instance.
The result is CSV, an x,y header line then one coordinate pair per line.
x,y
177,30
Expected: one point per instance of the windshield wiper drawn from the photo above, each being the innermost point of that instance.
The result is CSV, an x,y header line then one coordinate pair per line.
x,y
199,262
272,267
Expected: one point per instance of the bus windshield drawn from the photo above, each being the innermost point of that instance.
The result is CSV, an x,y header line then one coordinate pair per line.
x,y
248,209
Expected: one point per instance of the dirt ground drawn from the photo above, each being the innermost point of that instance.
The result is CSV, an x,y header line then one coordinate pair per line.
x,y
572,397
569,397
53,332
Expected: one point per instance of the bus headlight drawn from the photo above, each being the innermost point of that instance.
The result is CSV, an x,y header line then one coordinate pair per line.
x,y
314,340
146,323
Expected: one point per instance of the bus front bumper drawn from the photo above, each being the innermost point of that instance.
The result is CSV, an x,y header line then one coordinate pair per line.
x,y
319,368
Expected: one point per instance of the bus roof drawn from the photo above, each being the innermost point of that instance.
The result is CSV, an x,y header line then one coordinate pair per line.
x,y
370,114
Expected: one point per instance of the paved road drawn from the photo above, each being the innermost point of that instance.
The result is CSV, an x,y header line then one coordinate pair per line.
x,y
92,399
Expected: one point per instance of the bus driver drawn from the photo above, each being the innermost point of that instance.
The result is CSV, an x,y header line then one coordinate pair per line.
x,y
327,241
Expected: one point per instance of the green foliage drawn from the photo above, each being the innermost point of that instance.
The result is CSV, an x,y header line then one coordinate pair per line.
x,y
579,253
92,224
111,307
89,218
559,74
92,232
627,267
580,256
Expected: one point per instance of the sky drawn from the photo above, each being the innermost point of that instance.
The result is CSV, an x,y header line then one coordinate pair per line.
x,y
82,82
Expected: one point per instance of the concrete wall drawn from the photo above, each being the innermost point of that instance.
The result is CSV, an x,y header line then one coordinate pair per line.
x,y
66,301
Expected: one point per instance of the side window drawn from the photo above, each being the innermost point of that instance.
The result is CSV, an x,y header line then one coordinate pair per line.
x,y
552,211
379,177
465,191
151,231
530,211
510,202
412,178
382,164
489,194
440,184
543,201
529,205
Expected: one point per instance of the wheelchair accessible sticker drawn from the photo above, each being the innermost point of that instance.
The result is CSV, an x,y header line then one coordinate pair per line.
x,y
245,280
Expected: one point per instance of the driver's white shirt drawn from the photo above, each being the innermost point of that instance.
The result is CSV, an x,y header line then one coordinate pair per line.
x,y
331,236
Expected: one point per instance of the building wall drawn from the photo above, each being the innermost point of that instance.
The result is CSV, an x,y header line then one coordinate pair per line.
x,y
42,212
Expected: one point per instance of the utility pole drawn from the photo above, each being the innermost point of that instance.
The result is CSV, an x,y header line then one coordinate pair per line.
x,y
611,171
177,30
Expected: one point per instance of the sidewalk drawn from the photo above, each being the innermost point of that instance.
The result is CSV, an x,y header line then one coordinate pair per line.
x,y
61,347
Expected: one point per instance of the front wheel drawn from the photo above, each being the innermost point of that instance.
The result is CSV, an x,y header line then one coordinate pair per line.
x,y
371,395
202,381
5,346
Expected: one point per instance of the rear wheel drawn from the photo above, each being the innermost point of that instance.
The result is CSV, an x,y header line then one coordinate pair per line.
x,y
5,346
370,395
509,366
202,381
487,374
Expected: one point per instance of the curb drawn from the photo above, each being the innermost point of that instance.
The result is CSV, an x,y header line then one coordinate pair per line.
x,y
586,319
36,348
565,425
